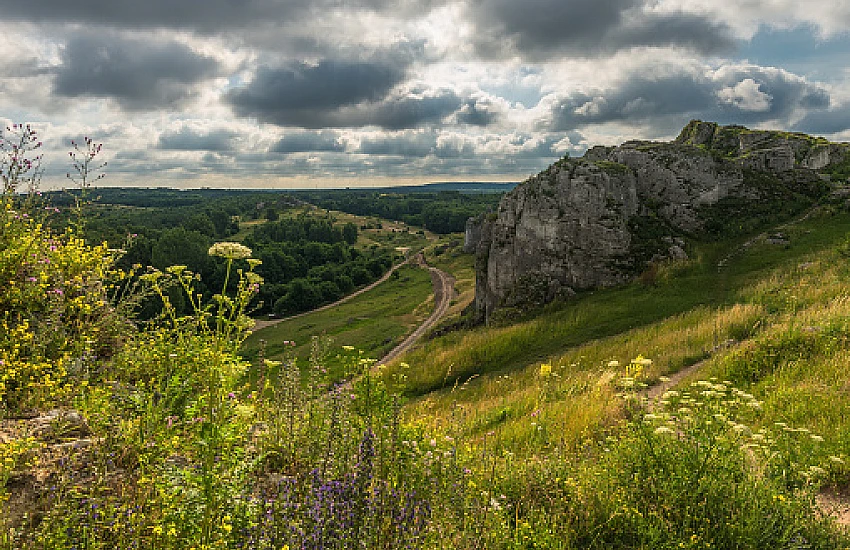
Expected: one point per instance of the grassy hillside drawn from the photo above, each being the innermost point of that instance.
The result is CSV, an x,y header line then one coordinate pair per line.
x,y
773,323
544,433
677,288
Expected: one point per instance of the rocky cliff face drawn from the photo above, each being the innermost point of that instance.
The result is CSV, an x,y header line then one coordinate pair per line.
x,y
598,220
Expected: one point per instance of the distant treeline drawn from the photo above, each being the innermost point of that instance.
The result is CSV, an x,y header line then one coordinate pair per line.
x,y
443,212
307,261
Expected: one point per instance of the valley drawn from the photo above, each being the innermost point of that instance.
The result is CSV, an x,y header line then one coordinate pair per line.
x,y
418,388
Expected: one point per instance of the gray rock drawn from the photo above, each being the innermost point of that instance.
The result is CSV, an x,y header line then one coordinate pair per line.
x,y
60,423
570,227
676,252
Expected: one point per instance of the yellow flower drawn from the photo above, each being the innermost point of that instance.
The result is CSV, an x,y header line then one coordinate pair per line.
x,y
545,370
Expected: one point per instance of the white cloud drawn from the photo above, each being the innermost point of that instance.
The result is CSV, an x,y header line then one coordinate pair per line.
x,y
448,108
746,95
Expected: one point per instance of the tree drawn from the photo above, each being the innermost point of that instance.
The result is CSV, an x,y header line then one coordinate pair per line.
x,y
178,246
349,232
301,296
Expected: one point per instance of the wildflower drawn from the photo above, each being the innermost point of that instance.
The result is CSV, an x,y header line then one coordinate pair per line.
x,y
230,250
545,370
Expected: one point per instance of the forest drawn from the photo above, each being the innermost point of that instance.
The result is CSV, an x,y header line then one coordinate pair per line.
x,y
309,258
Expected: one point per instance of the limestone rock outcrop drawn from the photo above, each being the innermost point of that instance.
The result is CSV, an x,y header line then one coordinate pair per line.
x,y
596,221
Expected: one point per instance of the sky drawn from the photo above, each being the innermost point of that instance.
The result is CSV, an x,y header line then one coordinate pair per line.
x,y
348,93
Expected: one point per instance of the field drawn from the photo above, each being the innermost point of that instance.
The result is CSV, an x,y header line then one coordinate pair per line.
x,y
374,322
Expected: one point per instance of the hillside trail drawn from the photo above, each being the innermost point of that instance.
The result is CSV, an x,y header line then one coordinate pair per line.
x,y
724,261
261,324
443,293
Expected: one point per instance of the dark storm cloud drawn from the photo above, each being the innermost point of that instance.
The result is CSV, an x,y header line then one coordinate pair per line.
x,y
165,13
825,122
305,142
203,15
397,113
187,139
291,94
549,28
343,94
314,95
743,95
139,74
477,113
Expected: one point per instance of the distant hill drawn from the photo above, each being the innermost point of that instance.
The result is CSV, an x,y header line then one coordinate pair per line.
x,y
462,187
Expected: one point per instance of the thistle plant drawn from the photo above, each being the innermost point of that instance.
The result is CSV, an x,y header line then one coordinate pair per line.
x,y
20,163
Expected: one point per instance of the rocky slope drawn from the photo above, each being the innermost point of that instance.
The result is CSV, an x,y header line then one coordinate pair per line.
x,y
601,219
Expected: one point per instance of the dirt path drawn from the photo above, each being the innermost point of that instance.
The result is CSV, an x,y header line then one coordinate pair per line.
x,y
672,381
261,324
443,294
763,235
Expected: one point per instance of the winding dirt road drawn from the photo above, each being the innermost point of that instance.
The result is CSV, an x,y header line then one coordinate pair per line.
x,y
443,293
261,324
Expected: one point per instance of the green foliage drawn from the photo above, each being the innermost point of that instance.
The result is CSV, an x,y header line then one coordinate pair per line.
x,y
647,233
688,471
768,353
190,446
775,199
614,168
840,172
310,261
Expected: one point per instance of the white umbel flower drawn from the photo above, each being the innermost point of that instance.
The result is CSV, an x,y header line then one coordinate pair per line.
x,y
231,251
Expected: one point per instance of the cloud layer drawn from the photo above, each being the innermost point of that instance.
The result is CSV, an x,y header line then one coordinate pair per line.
x,y
360,92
